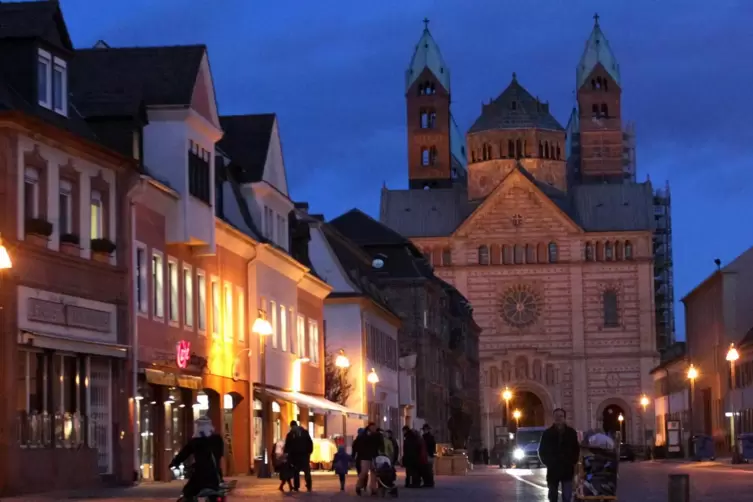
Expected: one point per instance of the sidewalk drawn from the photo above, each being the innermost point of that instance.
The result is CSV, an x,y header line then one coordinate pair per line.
x,y
719,462
146,490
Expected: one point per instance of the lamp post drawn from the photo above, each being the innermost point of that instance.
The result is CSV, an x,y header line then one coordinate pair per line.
x,y
732,356
692,375
342,363
516,415
373,379
644,404
621,419
507,396
263,329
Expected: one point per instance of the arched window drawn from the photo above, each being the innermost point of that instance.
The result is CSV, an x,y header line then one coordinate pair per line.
x,y
546,149
530,253
483,255
553,252
425,157
604,110
541,150
520,254
541,252
589,251
518,149
608,251
507,257
510,149
446,257
611,317
628,250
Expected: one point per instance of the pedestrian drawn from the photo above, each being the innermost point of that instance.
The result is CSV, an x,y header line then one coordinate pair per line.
x,y
559,451
285,470
370,445
341,464
431,450
354,450
395,448
411,457
299,447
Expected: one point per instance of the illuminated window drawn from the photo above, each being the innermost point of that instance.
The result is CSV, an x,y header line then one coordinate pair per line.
x,y
228,311
291,335
158,285
301,336
201,312
283,328
97,215
216,307
173,290
187,296
273,311
314,341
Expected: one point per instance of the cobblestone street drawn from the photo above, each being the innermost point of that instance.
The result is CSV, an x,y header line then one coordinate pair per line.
x,y
639,482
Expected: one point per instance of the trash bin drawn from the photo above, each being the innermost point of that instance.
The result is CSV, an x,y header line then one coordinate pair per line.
x,y
745,446
704,447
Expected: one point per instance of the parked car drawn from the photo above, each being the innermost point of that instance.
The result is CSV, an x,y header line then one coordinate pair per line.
x,y
627,452
525,451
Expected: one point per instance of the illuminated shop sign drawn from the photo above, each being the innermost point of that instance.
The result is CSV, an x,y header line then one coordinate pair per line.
x,y
183,354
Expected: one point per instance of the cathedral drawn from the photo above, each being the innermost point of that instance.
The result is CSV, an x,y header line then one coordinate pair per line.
x,y
546,231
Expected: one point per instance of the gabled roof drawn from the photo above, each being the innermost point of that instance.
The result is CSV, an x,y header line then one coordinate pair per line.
x,y
427,55
246,141
597,51
42,20
594,208
117,78
515,108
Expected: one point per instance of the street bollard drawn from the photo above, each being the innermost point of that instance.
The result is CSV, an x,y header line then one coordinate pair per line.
x,y
679,488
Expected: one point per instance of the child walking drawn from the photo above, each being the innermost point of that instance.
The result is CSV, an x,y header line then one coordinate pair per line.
x,y
341,464
285,470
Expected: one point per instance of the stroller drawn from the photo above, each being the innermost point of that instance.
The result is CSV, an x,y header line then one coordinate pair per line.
x,y
386,476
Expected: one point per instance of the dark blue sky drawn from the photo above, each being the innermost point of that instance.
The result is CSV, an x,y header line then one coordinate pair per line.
x,y
333,71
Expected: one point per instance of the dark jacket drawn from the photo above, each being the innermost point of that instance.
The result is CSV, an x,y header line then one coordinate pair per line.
x,y
411,449
431,444
298,446
368,446
559,450
205,468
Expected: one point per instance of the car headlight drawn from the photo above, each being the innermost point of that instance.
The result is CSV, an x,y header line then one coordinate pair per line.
x,y
518,454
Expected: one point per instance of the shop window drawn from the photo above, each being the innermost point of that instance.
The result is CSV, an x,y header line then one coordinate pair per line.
x,y
258,438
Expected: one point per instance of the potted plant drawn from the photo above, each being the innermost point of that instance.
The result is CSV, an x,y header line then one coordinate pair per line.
x,y
38,231
69,244
102,249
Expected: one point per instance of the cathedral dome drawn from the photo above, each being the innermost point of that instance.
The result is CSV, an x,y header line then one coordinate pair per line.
x,y
515,108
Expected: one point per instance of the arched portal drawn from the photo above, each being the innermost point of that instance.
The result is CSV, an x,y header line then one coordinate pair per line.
x,y
531,407
614,419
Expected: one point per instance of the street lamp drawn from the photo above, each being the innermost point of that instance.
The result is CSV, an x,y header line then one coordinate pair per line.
x,y
692,375
507,396
343,363
732,356
373,379
516,415
5,262
621,419
262,329
644,404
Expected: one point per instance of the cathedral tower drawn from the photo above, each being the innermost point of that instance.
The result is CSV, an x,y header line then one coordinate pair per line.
x,y
427,97
598,87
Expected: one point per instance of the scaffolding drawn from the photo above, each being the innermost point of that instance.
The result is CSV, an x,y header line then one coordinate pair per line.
x,y
663,270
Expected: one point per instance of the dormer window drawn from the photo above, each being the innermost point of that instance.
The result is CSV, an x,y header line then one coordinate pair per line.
x,y
52,82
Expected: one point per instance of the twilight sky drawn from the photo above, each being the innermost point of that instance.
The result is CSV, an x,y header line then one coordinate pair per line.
x,y
333,71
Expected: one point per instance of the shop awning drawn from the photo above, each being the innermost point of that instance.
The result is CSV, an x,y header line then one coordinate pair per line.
x,y
78,345
158,377
317,404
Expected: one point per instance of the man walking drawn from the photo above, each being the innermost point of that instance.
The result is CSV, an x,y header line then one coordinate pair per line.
x,y
559,451
431,452
299,447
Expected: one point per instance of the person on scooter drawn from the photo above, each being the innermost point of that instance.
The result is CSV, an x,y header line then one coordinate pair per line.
x,y
206,452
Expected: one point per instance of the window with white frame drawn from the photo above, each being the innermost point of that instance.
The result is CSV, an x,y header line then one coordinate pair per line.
x,y
241,315
158,285
52,82
142,291
275,333
173,290
314,341
283,328
268,223
31,193
291,333
187,296
228,311
301,336
216,307
65,199
201,308
280,232
97,215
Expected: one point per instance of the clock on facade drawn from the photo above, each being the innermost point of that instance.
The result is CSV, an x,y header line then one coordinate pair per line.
x,y
521,306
